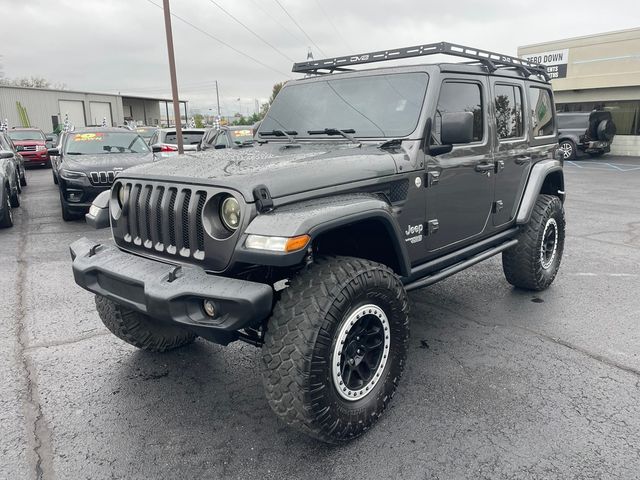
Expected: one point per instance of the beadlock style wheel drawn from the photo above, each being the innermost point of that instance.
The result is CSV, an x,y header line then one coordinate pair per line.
x,y
361,351
549,244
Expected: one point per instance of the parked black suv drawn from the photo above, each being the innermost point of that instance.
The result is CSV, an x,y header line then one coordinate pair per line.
x,y
90,160
585,132
363,185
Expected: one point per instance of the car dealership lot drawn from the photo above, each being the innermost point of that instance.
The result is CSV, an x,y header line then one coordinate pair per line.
x,y
500,382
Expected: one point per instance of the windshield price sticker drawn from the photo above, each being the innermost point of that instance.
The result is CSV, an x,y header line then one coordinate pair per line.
x,y
242,133
88,137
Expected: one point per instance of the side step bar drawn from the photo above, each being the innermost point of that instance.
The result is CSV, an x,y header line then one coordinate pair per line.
x,y
453,269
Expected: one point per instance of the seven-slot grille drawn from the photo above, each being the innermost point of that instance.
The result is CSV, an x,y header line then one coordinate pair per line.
x,y
165,219
102,177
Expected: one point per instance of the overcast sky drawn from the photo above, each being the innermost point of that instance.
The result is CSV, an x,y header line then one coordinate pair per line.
x,y
119,45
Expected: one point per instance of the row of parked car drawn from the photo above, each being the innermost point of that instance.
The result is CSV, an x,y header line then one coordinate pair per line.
x,y
85,161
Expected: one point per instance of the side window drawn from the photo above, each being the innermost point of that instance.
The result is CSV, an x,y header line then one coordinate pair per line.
x,y
461,97
509,118
541,112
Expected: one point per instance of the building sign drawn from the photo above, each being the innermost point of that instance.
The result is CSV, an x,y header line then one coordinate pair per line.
x,y
555,61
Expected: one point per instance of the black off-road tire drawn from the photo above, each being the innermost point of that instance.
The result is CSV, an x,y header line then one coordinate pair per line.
x,y
6,213
141,330
301,343
532,264
568,149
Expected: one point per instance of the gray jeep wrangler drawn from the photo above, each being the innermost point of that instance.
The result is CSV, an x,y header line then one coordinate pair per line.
x,y
362,186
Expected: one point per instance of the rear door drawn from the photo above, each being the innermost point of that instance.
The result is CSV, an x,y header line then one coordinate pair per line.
x,y
513,161
460,183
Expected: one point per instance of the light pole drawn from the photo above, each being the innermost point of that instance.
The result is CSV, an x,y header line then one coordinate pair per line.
x,y
172,73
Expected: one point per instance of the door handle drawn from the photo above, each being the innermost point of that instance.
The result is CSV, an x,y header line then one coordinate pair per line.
x,y
522,160
485,167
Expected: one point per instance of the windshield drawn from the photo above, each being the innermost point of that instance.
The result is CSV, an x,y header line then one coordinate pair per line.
x,y
93,143
240,136
385,105
25,135
146,133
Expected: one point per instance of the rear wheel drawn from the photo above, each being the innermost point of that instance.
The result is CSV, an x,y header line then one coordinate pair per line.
x,y
335,347
14,197
23,178
568,149
534,262
6,213
141,330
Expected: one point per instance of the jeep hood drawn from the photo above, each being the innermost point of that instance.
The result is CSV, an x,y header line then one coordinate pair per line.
x,y
283,169
107,161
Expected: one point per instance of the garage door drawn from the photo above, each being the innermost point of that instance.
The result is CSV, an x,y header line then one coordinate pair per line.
x,y
75,110
100,110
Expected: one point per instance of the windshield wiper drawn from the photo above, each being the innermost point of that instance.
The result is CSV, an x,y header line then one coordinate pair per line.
x,y
281,133
335,131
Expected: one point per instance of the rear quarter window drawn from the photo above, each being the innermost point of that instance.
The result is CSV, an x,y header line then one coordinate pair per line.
x,y
541,105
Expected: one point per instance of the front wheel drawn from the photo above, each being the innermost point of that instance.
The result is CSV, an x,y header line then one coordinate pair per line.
x,y
533,263
140,330
335,347
6,213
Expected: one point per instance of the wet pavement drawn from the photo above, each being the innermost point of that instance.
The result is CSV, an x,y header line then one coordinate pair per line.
x,y
500,383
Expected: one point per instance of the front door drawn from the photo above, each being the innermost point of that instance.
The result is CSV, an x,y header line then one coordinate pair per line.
x,y
460,183
512,158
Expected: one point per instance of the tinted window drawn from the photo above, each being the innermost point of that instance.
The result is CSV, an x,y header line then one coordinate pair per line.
x,y
541,111
93,143
508,102
188,138
25,135
374,106
461,97
573,121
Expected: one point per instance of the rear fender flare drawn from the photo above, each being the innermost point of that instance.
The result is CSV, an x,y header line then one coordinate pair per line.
x,y
545,176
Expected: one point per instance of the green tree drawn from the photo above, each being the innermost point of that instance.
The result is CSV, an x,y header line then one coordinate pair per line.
x,y
199,119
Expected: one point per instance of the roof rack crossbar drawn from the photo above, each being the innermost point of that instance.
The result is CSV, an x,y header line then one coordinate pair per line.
x,y
491,60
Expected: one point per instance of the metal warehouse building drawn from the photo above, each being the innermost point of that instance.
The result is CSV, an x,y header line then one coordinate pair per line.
x,y
47,108
597,72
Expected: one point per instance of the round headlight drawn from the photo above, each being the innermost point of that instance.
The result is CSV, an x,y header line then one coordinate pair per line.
x,y
230,213
121,198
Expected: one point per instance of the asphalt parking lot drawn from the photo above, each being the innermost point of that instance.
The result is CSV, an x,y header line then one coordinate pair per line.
x,y
500,383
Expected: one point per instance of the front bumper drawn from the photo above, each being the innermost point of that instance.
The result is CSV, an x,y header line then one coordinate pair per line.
x,y
35,158
169,292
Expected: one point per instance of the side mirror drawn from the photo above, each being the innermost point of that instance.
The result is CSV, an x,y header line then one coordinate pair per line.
x,y
156,148
6,154
98,216
457,127
19,148
53,151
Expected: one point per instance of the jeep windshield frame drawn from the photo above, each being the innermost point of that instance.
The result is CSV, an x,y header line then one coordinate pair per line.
x,y
375,105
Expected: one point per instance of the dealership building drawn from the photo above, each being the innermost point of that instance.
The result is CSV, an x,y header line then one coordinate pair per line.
x,y
47,108
601,72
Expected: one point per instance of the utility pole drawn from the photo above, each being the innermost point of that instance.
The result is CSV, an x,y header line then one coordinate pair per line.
x,y
217,98
172,73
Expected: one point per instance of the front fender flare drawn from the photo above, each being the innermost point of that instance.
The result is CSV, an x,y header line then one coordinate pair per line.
x,y
317,216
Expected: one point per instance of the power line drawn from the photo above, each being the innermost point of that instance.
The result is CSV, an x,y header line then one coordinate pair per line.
x,y
222,41
299,27
297,38
334,26
253,33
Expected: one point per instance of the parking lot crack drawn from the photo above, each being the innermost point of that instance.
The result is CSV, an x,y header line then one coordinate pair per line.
x,y
39,436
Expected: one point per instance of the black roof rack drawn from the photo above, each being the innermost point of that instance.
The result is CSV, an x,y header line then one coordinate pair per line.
x,y
491,60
